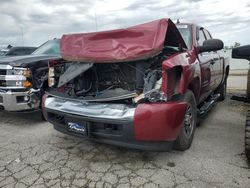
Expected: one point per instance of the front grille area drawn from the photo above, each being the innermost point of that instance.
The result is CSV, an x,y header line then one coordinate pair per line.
x,y
96,129
3,71
9,80
106,128
57,118
3,83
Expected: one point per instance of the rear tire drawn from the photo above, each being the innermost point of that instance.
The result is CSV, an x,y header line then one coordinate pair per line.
x,y
222,90
185,138
247,136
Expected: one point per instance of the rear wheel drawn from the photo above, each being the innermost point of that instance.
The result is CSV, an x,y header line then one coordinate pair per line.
x,y
247,136
186,135
222,90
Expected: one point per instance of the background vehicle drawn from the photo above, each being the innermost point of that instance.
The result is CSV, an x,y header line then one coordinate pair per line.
x,y
138,87
23,79
3,52
243,52
17,51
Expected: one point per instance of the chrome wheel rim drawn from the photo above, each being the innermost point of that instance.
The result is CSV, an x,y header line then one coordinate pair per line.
x,y
189,122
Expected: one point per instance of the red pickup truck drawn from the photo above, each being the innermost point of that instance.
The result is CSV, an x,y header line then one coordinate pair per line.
x,y
141,87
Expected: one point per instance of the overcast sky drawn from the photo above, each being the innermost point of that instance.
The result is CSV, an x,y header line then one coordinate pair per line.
x,y
40,20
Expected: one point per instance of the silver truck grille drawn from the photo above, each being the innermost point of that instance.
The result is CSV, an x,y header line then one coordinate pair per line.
x,y
2,83
3,72
8,80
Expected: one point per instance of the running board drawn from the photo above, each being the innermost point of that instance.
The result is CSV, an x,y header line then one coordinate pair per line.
x,y
206,107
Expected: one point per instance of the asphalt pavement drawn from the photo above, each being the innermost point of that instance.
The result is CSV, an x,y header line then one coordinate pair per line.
x,y
33,154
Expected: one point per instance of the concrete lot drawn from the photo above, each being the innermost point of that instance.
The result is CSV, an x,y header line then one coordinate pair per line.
x,y
33,154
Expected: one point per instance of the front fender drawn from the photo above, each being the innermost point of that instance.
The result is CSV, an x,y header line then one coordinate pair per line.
x,y
159,121
178,73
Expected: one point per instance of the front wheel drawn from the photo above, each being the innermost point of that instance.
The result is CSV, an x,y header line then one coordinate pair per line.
x,y
185,138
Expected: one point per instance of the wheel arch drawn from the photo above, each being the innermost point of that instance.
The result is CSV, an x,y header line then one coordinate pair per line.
x,y
194,86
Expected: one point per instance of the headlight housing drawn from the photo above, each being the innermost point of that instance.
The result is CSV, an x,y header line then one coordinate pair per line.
x,y
156,95
22,72
51,77
21,77
51,72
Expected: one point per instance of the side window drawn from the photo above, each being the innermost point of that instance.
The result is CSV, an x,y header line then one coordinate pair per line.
x,y
208,36
201,37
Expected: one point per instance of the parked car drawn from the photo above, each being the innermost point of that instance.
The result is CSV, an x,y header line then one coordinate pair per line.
x,y
23,79
17,51
3,52
243,52
140,87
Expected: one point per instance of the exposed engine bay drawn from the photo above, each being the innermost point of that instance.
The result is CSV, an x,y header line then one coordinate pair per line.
x,y
129,82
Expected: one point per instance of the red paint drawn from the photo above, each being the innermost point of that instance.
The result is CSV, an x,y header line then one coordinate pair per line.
x,y
187,75
159,121
152,121
134,43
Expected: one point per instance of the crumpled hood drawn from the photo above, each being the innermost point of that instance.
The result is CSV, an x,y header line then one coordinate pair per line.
x,y
131,44
23,61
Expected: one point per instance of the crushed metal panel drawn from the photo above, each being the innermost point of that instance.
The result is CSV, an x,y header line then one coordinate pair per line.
x,y
131,44
74,70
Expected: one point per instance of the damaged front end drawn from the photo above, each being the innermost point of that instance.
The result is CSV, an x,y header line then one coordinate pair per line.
x,y
116,103
117,97
127,82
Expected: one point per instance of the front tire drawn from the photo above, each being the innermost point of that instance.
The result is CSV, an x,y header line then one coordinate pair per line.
x,y
185,138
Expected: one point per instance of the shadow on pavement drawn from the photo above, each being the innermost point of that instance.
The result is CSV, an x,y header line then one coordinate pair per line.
x,y
21,118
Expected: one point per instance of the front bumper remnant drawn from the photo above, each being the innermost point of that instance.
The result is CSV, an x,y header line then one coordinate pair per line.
x,y
18,101
118,124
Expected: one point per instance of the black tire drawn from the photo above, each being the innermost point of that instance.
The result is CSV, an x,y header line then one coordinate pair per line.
x,y
247,136
185,138
222,90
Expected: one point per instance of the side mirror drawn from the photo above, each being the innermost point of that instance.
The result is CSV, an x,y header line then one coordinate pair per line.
x,y
210,45
242,52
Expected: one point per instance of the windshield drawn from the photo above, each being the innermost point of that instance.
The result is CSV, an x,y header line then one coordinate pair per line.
x,y
185,31
52,47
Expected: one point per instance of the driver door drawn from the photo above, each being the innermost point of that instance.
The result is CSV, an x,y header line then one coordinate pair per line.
x,y
208,63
